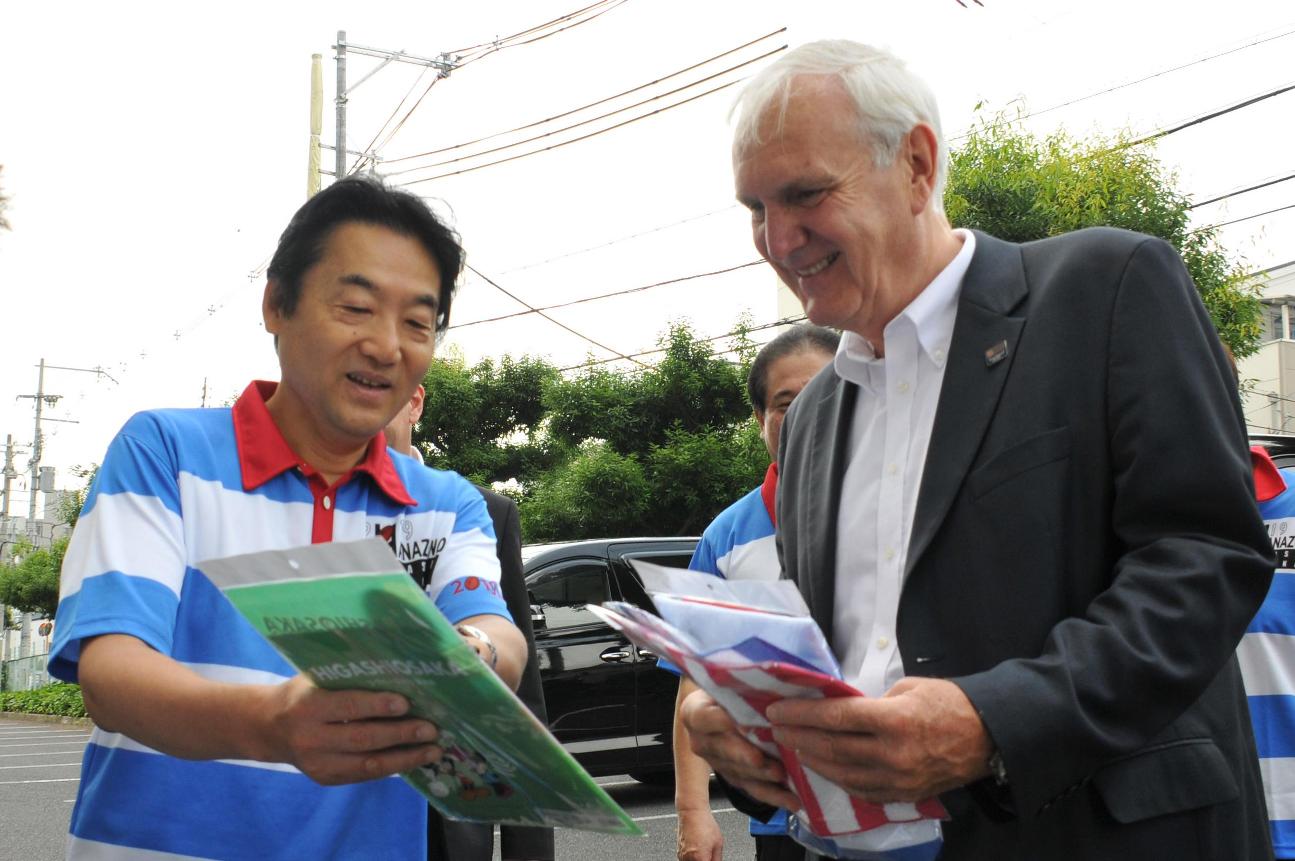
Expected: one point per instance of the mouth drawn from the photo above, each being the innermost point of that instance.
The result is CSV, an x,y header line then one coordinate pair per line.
x,y
368,381
819,266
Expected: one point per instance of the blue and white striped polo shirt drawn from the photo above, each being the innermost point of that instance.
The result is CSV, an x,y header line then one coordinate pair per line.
x,y
181,486
739,545
1267,656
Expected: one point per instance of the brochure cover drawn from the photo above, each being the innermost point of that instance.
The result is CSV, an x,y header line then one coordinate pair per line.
x,y
349,617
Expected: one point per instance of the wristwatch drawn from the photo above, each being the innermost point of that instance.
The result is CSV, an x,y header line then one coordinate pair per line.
x,y
477,634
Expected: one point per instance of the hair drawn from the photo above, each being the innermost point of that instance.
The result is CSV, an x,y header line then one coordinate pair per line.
x,y
889,99
801,338
362,200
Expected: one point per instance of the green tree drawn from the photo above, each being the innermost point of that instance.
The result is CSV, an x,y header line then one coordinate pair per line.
x,y
1018,186
485,421
29,578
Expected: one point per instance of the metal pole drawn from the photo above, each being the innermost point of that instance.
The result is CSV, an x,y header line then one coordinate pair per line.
x,y
32,529
9,475
340,169
316,125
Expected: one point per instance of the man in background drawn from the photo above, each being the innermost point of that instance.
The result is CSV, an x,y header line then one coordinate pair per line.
x,y
739,545
470,841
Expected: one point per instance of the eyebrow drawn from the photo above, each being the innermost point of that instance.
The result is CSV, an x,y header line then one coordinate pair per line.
x,y
358,280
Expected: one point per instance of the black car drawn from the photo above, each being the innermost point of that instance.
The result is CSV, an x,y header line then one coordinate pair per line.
x,y
607,701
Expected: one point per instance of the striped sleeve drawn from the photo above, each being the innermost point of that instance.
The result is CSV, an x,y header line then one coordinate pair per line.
x,y
125,564
466,580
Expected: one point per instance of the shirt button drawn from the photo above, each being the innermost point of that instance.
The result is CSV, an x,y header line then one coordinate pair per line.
x,y
328,503
890,553
903,386
892,469
939,355
883,642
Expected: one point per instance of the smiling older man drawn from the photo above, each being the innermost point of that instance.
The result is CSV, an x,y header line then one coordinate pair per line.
x,y
1018,502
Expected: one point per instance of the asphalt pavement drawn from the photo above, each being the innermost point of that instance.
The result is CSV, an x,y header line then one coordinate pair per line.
x,y
40,765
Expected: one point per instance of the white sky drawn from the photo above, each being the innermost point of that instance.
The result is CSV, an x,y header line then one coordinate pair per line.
x,y
153,152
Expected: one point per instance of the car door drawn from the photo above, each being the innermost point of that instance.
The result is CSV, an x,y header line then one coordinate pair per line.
x,y
587,667
655,688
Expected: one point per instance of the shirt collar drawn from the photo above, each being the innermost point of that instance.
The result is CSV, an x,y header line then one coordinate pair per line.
x,y
263,453
932,314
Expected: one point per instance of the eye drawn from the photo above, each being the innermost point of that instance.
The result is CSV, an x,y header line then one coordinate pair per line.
x,y
354,309
807,196
757,212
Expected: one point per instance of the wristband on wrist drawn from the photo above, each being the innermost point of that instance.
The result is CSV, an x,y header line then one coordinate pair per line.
x,y
477,634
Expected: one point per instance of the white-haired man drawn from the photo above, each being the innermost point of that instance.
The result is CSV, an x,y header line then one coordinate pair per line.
x,y
1018,502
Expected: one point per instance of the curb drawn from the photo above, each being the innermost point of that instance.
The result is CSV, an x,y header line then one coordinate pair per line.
x,y
22,716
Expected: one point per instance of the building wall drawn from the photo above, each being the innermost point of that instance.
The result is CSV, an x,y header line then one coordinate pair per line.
x,y
1268,377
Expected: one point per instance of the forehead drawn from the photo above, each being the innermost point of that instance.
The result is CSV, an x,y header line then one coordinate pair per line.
x,y
795,369
381,256
816,129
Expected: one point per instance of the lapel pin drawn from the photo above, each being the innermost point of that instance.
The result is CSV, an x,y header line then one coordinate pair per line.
x,y
995,354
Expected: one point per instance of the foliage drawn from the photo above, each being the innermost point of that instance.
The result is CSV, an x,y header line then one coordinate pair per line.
x,y
30,585
1020,187
72,502
59,698
484,421
598,493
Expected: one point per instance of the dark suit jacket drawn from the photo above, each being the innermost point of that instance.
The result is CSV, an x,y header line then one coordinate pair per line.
x,y
468,841
1086,553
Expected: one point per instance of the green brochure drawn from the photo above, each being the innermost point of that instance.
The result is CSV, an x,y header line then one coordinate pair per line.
x,y
348,616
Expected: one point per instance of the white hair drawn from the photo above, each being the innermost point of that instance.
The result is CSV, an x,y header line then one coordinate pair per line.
x,y
890,99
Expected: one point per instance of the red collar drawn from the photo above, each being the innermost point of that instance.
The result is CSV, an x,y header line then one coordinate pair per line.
x,y
263,453
769,492
1268,479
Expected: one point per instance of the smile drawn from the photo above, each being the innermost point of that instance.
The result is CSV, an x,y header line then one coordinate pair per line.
x,y
819,266
368,382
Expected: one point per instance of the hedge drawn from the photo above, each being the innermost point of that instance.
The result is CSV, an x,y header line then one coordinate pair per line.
x,y
59,698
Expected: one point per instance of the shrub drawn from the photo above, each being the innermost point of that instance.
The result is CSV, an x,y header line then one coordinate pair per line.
x,y
59,698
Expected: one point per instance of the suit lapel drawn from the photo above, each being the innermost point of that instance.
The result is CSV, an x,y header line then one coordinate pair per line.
x,y
828,446
973,380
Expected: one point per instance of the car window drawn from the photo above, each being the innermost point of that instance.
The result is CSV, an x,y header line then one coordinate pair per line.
x,y
561,591
629,581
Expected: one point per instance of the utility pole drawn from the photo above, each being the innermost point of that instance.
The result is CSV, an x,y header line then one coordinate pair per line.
x,y
339,149
443,65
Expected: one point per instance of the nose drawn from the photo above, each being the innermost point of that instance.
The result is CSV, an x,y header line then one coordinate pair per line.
x,y
780,234
381,340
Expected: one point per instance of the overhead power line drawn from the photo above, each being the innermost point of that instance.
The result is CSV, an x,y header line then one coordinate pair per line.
x,y
625,292
785,321
1213,115
491,47
572,140
538,32
1244,218
1239,191
1135,82
577,125
568,113
520,301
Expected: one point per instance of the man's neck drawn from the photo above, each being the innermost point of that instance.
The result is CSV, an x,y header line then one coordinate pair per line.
x,y
938,245
330,458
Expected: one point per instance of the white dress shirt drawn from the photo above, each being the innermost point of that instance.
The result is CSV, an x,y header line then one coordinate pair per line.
x,y
889,435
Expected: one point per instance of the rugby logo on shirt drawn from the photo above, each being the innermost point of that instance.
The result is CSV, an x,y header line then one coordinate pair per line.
x,y
418,555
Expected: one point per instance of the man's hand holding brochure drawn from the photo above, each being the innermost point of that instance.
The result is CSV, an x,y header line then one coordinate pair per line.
x,y
750,644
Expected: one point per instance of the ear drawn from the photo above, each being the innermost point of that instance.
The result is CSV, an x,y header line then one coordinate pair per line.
x,y
272,316
921,153
416,405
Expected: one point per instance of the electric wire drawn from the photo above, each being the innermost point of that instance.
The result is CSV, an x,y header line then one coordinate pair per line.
x,y
1141,80
785,321
568,113
1241,191
572,140
625,292
577,125
617,354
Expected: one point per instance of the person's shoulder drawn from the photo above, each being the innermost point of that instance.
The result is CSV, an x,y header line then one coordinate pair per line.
x,y
745,520
179,423
1093,244
434,489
